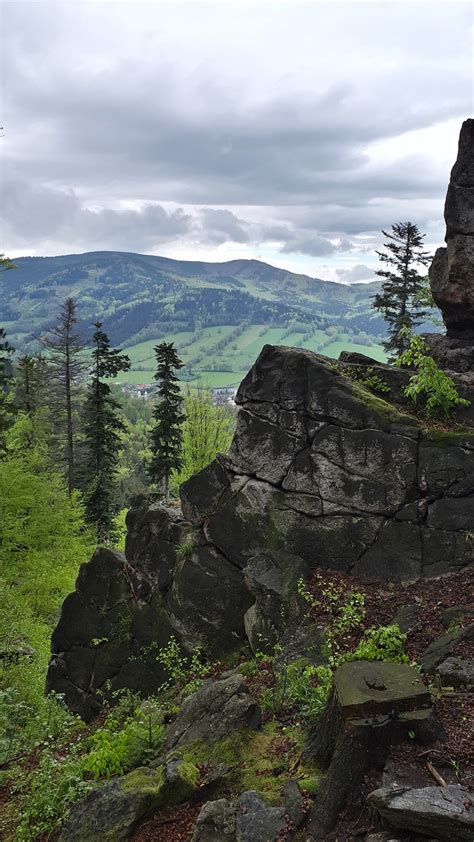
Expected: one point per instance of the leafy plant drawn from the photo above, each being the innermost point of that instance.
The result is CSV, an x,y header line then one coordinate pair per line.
x,y
380,643
430,382
344,610
116,751
186,671
47,793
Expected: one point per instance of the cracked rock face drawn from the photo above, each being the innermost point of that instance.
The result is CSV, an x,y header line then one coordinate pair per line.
x,y
320,474
452,270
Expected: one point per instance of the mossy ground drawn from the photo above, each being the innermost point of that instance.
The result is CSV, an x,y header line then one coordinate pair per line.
x,y
258,760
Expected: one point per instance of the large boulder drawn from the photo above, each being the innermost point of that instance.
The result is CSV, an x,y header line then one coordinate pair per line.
x,y
321,474
217,710
452,270
111,812
248,819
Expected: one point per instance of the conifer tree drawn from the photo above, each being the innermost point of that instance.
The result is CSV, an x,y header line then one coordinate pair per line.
x,y
7,409
67,366
102,428
166,434
401,299
31,383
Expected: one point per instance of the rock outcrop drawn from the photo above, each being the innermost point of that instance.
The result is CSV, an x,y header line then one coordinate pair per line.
x,y
321,473
436,812
452,270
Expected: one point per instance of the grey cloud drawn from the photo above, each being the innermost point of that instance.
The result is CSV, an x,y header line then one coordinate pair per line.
x,y
97,113
221,226
42,212
359,272
313,245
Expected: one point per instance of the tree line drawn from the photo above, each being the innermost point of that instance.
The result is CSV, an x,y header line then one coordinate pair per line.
x,y
68,385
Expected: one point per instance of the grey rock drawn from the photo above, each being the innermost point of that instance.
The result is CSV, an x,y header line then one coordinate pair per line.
x,y
113,811
307,641
456,672
293,802
208,601
407,617
452,270
439,812
272,578
216,822
217,709
256,821
444,646
384,836
455,615
248,819
321,474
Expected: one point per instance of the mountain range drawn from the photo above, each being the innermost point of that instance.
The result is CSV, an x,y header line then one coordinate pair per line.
x,y
140,296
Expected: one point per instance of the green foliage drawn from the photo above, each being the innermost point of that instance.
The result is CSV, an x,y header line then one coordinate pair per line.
x,y
42,543
67,366
344,611
184,550
400,301
184,671
207,431
166,435
102,427
114,750
437,390
380,643
47,794
297,685
7,406
366,377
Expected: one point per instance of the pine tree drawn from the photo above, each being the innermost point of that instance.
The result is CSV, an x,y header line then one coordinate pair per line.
x,y
7,408
31,383
166,434
67,366
401,300
102,427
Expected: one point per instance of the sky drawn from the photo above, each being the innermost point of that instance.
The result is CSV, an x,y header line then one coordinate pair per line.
x,y
290,132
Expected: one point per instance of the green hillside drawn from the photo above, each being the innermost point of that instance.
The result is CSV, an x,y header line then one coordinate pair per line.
x,y
219,315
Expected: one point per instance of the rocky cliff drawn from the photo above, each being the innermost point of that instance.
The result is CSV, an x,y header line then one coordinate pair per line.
x,y
321,473
452,270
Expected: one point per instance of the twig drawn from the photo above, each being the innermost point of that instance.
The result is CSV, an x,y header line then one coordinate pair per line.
x,y
429,751
431,769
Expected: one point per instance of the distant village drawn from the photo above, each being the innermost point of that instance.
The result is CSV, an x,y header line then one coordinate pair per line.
x,y
220,395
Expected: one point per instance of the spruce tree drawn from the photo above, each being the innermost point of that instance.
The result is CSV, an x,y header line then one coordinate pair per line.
x,y
102,428
166,435
7,408
31,383
67,365
401,299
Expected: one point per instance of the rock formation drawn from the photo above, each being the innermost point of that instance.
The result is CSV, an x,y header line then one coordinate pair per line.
x,y
452,270
320,474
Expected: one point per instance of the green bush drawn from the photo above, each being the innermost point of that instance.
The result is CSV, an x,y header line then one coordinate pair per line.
x,y
380,643
430,383
47,794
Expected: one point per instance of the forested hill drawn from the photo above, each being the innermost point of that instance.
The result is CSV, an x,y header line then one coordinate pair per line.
x,y
143,296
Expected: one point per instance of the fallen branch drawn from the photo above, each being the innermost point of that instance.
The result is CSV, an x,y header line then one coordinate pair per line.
x,y
431,769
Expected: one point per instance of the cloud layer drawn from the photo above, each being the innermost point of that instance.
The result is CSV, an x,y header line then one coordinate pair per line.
x,y
292,130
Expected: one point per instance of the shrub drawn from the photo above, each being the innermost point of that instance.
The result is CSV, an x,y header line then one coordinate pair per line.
x,y
430,383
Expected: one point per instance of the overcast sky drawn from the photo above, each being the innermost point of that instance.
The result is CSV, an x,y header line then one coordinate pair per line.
x,y
291,132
